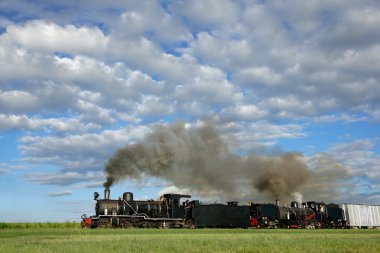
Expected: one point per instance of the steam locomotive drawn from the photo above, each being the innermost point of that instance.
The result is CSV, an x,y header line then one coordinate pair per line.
x,y
170,212
307,215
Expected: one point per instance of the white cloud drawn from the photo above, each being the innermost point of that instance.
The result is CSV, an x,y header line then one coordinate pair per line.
x,y
244,112
260,70
218,13
347,171
153,106
17,101
265,130
63,178
260,135
343,118
375,114
260,76
229,54
46,36
360,156
150,17
95,114
78,152
11,166
290,106
60,194
9,122
358,27
209,87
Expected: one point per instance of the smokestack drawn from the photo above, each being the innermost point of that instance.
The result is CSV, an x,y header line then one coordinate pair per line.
x,y
277,202
107,194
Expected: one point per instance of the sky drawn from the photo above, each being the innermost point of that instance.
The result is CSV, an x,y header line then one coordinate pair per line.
x,y
81,79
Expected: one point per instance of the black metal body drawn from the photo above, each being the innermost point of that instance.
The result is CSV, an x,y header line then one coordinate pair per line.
x,y
220,215
273,216
170,212
167,212
307,215
127,212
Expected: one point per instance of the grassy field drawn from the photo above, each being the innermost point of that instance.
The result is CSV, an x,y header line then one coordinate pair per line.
x,y
68,237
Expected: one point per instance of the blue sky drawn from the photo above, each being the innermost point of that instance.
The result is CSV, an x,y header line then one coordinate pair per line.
x,y
81,79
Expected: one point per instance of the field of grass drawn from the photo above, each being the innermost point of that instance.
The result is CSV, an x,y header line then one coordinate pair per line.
x,y
68,237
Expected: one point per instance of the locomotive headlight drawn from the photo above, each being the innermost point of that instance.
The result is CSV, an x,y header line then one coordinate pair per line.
x,y
96,195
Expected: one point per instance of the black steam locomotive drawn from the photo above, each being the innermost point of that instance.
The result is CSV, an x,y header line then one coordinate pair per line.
x,y
307,215
170,212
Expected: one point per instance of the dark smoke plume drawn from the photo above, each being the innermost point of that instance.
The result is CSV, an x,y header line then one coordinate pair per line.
x,y
198,159
281,176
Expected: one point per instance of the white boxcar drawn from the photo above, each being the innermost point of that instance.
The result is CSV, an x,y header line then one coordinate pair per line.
x,y
361,215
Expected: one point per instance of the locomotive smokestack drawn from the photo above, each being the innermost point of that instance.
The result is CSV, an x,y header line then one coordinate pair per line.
x,y
107,193
277,202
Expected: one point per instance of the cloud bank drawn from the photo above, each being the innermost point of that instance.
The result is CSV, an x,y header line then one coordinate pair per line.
x,y
80,80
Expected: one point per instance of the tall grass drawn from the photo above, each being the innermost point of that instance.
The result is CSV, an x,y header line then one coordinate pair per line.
x,y
34,225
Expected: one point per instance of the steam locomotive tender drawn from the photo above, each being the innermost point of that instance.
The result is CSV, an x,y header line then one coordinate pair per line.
x,y
166,212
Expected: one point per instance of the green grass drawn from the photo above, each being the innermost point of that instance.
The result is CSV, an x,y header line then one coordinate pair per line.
x,y
68,224
75,239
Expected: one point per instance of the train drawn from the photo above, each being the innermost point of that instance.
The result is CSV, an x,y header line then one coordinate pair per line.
x,y
179,211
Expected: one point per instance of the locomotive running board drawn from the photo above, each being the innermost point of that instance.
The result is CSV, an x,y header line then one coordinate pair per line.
x,y
137,216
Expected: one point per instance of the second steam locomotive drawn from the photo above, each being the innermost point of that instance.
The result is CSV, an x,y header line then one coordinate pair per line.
x,y
177,210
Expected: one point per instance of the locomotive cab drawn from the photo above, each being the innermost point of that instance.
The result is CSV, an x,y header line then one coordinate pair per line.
x,y
264,215
174,201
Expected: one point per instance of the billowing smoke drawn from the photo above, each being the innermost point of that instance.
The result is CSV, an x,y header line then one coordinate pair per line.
x,y
198,159
331,180
281,176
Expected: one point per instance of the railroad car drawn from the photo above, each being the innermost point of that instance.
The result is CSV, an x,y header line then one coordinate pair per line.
x,y
361,216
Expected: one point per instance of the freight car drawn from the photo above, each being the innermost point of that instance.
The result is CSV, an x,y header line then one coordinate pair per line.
x,y
362,216
169,212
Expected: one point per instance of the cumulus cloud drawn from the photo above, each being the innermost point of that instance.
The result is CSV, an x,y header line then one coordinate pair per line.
x,y
160,24
360,156
9,122
357,29
17,101
77,152
354,163
46,36
84,81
